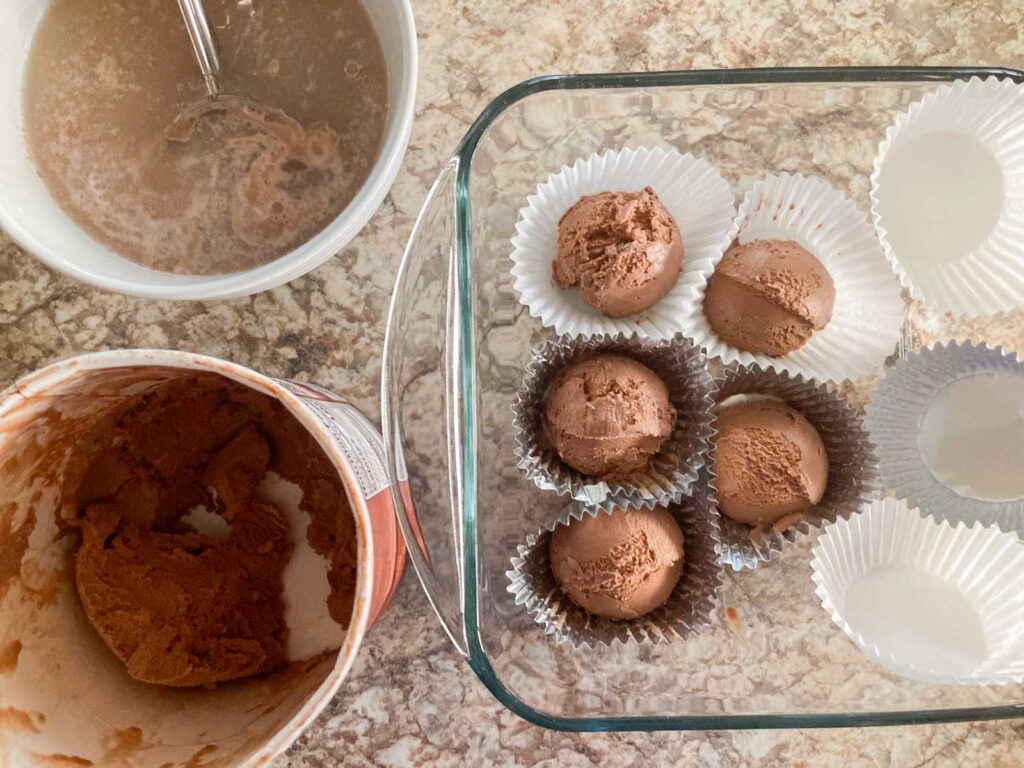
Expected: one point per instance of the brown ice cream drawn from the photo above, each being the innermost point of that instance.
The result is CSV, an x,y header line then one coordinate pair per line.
x,y
186,599
769,463
769,297
620,565
622,249
608,415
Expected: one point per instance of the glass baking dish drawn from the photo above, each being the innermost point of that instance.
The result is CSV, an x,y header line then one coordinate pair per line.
x,y
457,343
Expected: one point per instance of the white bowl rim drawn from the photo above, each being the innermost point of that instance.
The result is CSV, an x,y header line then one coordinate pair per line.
x,y
296,262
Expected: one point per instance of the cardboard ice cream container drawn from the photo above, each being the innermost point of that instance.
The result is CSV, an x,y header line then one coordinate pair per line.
x,y
62,691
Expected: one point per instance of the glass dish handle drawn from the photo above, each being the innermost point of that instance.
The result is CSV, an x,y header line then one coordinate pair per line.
x,y
419,405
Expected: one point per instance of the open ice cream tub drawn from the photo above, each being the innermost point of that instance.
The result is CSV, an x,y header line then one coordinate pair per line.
x,y
63,694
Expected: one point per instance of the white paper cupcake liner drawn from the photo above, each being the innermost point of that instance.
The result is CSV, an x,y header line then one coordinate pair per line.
x,y
894,419
689,609
853,476
699,199
672,471
868,311
970,133
927,600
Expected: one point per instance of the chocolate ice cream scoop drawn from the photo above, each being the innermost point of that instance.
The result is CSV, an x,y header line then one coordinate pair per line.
x,y
183,563
769,297
622,249
620,565
769,462
608,415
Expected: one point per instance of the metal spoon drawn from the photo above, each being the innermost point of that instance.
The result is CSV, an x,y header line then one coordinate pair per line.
x,y
204,48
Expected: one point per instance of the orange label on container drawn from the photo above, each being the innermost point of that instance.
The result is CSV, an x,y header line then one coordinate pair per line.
x,y
363,448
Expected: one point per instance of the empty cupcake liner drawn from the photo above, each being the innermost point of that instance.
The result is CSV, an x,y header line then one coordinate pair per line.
x,y
693,191
672,471
896,417
853,476
929,601
868,313
955,245
688,610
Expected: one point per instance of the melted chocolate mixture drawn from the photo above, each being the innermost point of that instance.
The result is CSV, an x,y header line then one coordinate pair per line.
x,y
241,186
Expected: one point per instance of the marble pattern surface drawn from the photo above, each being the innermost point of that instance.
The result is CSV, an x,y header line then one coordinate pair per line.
x,y
411,699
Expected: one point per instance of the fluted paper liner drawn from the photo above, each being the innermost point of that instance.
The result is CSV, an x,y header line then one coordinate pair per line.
x,y
693,191
689,608
894,416
989,278
983,565
671,472
868,310
853,475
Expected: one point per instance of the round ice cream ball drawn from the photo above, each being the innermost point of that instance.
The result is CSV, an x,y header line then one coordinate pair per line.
x,y
769,462
622,249
620,565
769,297
608,415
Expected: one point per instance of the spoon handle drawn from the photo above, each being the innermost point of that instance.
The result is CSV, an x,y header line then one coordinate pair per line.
x,y
203,45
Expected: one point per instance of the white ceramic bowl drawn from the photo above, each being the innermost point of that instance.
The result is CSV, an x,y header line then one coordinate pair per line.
x,y
34,220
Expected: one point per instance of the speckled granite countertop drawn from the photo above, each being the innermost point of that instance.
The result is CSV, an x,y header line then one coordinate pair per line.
x,y
410,698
